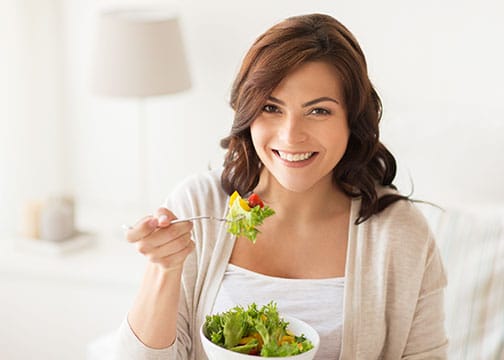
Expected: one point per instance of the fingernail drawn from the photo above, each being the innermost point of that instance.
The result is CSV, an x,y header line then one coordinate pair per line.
x,y
163,218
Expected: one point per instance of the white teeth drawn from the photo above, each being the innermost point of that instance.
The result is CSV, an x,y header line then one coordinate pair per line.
x,y
295,157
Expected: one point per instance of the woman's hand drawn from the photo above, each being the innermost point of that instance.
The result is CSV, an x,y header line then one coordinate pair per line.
x,y
162,243
153,316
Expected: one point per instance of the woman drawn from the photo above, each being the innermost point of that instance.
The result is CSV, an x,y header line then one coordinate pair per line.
x,y
344,252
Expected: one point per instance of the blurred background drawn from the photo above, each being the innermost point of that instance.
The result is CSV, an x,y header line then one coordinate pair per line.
x,y
436,65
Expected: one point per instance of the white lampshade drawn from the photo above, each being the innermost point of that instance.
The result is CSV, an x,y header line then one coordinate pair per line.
x,y
139,53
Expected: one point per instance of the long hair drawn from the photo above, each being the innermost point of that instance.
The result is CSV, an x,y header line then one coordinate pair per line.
x,y
366,162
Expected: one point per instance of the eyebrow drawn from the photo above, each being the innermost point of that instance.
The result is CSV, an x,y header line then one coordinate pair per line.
x,y
309,103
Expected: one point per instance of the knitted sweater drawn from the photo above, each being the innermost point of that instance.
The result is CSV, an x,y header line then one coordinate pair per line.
x,y
394,282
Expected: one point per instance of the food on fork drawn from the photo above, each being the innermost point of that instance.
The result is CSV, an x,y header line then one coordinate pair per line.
x,y
245,215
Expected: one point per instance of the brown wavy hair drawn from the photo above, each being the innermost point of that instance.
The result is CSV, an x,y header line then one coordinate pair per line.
x,y
294,41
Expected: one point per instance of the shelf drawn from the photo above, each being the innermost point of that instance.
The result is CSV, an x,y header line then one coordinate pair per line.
x,y
97,259
55,248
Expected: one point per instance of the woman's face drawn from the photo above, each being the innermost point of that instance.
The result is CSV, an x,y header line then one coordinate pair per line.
x,y
302,131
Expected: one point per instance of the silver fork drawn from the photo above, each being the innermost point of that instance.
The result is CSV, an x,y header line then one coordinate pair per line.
x,y
192,218
205,217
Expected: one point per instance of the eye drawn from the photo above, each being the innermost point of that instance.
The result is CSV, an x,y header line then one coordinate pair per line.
x,y
269,108
320,111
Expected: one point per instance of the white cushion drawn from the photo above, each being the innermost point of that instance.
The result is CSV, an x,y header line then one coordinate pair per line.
x,y
472,246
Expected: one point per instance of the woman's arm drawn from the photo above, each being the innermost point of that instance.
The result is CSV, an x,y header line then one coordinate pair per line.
x,y
153,316
155,312
427,338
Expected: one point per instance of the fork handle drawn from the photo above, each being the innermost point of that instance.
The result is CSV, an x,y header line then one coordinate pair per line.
x,y
197,218
176,221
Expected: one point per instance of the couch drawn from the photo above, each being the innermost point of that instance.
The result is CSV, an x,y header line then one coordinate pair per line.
x,y
471,241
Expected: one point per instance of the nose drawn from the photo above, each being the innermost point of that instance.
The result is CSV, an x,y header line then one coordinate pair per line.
x,y
292,129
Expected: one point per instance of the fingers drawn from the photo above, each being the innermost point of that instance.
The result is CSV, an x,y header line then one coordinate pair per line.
x,y
162,242
172,234
147,225
165,216
163,245
143,228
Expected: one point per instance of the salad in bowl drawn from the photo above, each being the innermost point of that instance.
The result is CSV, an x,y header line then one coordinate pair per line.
x,y
240,334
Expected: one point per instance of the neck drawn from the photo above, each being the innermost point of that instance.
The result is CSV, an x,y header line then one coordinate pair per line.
x,y
321,200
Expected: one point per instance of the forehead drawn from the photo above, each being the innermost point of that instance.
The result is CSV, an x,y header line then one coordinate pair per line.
x,y
314,78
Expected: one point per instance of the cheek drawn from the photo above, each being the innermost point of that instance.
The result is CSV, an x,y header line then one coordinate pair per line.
x,y
338,141
258,135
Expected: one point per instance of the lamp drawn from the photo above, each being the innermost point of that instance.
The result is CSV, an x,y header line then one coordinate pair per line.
x,y
139,54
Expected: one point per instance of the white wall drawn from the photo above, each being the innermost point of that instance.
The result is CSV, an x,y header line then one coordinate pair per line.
x,y
437,66
31,130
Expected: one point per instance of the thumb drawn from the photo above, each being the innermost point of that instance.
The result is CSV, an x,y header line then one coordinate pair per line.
x,y
165,216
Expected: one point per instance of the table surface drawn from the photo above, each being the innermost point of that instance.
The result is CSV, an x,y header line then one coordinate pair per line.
x,y
100,258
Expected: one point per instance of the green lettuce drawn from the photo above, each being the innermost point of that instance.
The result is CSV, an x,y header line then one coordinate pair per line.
x,y
237,330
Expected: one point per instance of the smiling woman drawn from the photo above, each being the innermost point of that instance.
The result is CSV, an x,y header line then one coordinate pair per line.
x,y
305,139
338,77
307,132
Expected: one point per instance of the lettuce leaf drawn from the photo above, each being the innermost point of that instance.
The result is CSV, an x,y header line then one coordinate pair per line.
x,y
235,327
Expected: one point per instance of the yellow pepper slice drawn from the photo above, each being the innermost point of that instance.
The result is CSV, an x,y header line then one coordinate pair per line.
x,y
233,198
244,204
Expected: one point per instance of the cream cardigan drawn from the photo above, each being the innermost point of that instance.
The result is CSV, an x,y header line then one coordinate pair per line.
x,y
394,286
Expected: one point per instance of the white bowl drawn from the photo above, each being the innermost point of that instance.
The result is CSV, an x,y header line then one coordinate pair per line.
x,y
296,326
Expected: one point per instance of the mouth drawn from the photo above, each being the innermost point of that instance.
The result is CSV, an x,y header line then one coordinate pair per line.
x,y
295,157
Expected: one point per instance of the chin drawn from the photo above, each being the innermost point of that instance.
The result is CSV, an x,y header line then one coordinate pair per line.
x,y
298,182
297,185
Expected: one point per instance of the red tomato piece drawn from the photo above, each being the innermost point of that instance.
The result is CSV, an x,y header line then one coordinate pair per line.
x,y
255,200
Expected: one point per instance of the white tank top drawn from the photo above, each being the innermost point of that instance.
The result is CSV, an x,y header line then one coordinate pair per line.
x,y
318,302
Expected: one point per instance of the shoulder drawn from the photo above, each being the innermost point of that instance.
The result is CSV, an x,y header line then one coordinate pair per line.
x,y
400,238
408,243
403,216
204,181
399,228
198,194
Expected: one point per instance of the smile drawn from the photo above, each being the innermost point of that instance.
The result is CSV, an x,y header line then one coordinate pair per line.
x,y
294,157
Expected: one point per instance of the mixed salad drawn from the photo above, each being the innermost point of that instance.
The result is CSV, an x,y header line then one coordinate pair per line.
x,y
245,215
255,331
